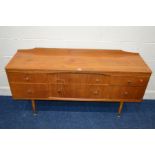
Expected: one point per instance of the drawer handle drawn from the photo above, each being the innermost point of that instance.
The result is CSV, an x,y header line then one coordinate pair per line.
x,y
59,91
125,93
141,80
27,78
96,92
97,80
29,91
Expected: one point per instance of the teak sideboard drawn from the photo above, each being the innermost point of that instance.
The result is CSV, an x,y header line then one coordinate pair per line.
x,y
78,74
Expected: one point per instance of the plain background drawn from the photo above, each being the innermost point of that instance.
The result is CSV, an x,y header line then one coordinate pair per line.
x,y
136,39
77,13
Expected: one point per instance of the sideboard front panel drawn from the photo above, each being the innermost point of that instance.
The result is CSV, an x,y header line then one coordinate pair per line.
x,y
76,85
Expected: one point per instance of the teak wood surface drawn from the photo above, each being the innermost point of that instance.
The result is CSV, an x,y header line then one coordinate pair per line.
x,y
78,74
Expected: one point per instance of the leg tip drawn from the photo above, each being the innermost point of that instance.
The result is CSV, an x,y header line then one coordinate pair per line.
x,y
118,115
35,114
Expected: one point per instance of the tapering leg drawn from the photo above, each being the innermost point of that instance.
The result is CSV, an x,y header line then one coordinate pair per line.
x,y
120,108
34,106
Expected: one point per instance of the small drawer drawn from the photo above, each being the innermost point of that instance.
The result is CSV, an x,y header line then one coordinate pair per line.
x,y
141,81
129,81
132,92
99,92
19,77
29,91
122,92
98,79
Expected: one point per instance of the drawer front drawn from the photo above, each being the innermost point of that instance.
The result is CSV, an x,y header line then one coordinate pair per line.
x,y
79,91
29,90
67,78
27,77
97,92
121,92
68,91
129,81
98,79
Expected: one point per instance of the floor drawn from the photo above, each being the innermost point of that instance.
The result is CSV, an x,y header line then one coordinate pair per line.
x,y
75,115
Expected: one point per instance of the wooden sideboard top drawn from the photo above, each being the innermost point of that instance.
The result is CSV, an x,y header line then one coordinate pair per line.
x,y
58,59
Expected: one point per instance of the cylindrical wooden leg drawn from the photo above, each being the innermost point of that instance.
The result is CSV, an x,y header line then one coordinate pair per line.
x,y
120,108
33,106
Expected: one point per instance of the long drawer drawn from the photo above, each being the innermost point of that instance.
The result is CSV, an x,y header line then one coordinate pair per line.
x,y
23,91
74,78
29,90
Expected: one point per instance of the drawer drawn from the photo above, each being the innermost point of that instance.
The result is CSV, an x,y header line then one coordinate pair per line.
x,y
79,91
97,92
129,81
66,78
74,78
68,91
98,79
27,77
121,92
29,91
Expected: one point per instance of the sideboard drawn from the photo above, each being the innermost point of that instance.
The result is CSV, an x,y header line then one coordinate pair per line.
x,y
77,75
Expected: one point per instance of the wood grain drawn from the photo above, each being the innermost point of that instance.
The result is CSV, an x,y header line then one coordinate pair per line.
x,y
44,59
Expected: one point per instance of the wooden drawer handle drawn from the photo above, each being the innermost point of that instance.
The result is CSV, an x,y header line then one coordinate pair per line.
x,y
59,91
29,91
97,80
129,82
27,78
125,93
96,92
141,80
